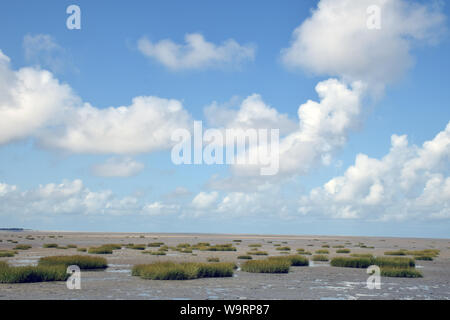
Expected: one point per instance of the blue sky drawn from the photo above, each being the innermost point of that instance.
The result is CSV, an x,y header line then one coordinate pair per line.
x,y
50,183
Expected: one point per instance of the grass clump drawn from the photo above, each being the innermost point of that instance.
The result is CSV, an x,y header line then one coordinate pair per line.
x,y
155,253
267,266
401,272
343,251
83,262
257,253
339,247
27,274
22,247
155,244
325,246
364,262
50,245
395,253
182,271
219,247
319,257
294,260
213,259
322,251
100,250
82,249
283,249
362,255
245,257
137,246
237,240
7,253
352,262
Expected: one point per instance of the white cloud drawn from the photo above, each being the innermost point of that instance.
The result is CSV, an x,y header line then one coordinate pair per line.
x,y
253,113
42,49
204,200
335,40
118,167
410,182
66,198
158,208
34,104
196,53
322,130
144,126
30,99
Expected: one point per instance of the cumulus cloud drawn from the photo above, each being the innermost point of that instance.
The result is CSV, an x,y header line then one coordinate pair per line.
x,y
410,182
30,99
253,113
196,53
66,198
35,104
204,200
323,128
335,40
118,167
144,126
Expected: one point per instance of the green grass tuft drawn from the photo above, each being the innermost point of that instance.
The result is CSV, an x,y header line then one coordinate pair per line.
x,y
83,262
267,266
401,272
322,251
183,271
343,251
22,247
320,257
27,274
245,257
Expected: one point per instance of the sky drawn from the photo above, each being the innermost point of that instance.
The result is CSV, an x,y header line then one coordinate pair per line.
x,y
357,89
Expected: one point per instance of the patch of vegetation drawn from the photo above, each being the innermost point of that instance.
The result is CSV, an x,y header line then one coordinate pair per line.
x,y
322,251
100,250
219,247
155,253
362,255
284,249
137,246
213,259
255,245
72,246
343,251
83,262
182,271
155,244
257,253
363,262
338,247
22,247
81,249
267,266
295,260
395,253
245,257
26,274
425,258
7,253
50,245
320,257
401,272
325,246
237,240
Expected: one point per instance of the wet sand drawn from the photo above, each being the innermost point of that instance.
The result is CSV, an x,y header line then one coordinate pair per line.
x,y
318,281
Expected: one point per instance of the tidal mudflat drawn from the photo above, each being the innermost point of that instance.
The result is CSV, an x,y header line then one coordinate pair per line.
x,y
318,280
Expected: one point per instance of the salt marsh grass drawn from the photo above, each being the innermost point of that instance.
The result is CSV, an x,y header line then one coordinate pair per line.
x,y
343,251
10,274
267,266
83,262
320,257
22,247
183,271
